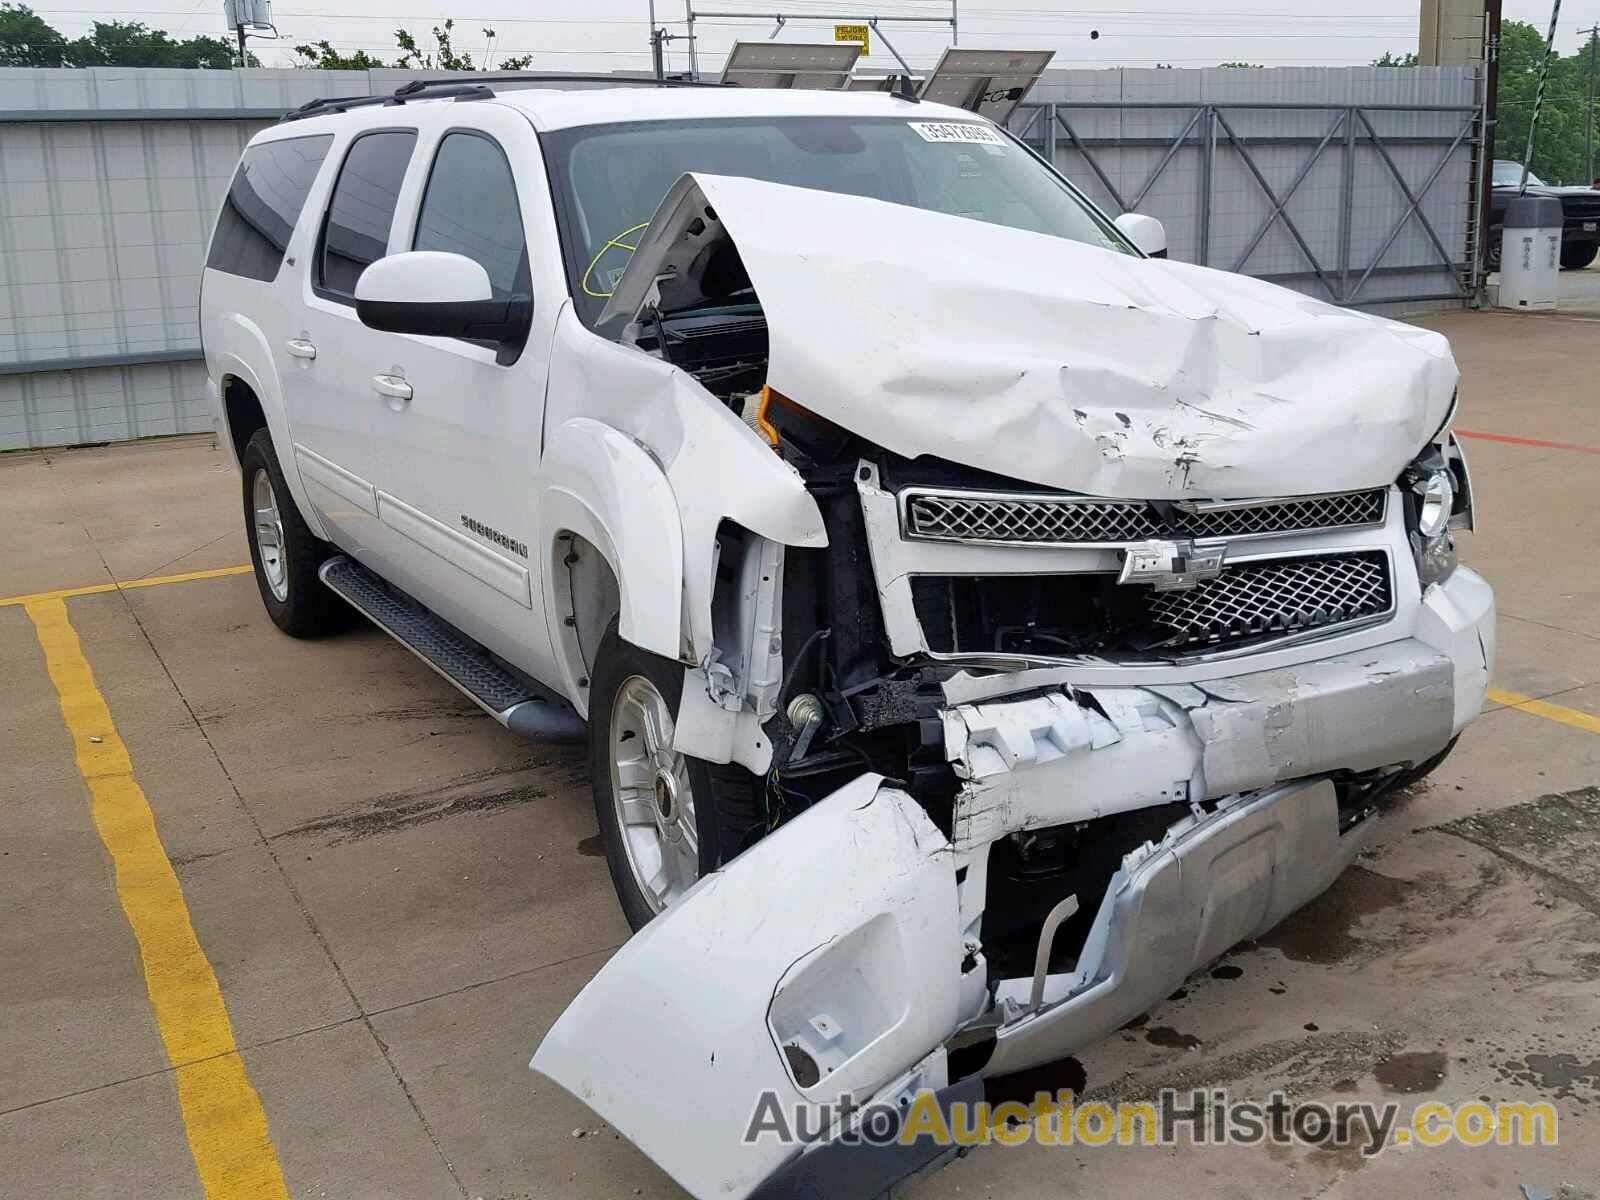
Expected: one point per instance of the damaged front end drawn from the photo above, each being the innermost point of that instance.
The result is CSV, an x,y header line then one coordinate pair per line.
x,y
1035,745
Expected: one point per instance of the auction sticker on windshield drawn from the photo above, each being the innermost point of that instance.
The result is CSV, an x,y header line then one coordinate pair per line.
x,y
956,131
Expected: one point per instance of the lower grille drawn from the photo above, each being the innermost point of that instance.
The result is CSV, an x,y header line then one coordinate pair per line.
x,y
1068,615
1254,599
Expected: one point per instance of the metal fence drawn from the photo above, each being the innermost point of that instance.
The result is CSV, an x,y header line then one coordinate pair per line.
x,y
1352,185
1357,186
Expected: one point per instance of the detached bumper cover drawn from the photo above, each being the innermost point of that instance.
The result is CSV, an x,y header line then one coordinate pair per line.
x,y
1174,908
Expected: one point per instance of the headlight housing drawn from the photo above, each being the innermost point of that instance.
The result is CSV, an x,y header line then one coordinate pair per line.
x,y
1438,499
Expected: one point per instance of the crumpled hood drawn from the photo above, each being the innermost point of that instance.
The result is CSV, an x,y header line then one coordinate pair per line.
x,y
1055,362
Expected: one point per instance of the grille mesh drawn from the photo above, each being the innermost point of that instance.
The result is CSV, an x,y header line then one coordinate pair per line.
x,y
1253,599
1048,520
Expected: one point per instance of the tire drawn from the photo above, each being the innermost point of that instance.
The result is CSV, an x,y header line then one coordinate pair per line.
x,y
1578,255
673,798
286,573
1491,257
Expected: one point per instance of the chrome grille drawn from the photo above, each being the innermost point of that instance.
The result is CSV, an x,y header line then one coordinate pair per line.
x,y
1285,596
1063,520
1342,510
1020,519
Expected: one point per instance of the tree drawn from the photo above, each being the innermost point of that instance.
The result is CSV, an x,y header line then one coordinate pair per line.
x,y
1560,152
444,57
26,40
1391,59
132,44
1244,66
322,56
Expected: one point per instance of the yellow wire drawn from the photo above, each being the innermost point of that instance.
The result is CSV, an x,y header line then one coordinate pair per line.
x,y
615,243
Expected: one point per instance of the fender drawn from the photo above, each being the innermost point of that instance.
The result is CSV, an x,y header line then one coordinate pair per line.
x,y
603,486
711,465
234,344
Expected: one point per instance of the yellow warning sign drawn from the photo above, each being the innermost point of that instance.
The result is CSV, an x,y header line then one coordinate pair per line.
x,y
854,33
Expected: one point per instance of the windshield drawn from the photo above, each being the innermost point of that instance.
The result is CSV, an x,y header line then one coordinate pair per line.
x,y
1509,174
609,179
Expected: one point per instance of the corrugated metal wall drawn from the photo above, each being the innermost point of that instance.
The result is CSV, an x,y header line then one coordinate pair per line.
x,y
1193,142
110,180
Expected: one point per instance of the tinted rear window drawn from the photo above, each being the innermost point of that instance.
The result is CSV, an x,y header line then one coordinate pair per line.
x,y
362,208
264,202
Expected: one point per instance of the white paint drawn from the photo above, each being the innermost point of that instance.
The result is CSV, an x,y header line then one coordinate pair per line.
x,y
1147,233
1056,362
679,1034
424,277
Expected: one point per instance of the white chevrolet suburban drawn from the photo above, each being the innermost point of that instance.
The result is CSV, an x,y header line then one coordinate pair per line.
x,y
978,623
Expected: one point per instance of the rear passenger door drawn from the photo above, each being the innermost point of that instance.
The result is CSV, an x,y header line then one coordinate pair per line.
x,y
329,360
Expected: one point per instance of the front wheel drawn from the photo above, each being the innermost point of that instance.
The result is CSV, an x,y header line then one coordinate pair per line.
x,y
665,819
1578,255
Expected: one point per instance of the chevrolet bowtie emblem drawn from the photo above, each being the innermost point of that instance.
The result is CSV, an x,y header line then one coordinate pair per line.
x,y
1171,566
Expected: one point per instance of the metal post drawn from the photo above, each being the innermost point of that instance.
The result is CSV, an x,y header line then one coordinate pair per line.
x,y
955,25
1594,43
1538,97
1208,155
694,57
1050,135
243,60
1347,204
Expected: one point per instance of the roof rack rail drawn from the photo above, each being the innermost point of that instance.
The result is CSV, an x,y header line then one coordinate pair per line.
x,y
471,88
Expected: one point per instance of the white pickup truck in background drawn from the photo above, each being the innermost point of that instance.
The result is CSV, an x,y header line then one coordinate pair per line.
x,y
977,623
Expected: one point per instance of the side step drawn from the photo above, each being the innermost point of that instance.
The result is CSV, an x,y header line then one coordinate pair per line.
x,y
510,697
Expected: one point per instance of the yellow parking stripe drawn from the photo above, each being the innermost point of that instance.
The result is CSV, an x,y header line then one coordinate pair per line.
x,y
94,589
1543,708
222,1115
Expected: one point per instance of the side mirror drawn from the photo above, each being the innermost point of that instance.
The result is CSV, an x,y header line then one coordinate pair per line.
x,y
1147,233
439,295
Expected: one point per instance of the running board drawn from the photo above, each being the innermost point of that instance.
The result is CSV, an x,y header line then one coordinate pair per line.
x,y
510,697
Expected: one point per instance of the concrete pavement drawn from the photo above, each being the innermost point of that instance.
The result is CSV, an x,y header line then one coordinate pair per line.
x,y
397,897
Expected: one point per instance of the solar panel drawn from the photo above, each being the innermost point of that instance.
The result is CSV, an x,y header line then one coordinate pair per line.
x,y
990,83
821,65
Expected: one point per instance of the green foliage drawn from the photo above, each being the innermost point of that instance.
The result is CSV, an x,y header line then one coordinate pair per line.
x,y
1391,59
1244,65
323,57
27,41
131,44
1560,149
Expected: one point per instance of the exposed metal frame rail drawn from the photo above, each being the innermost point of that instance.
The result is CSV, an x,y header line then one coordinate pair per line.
x,y
1043,123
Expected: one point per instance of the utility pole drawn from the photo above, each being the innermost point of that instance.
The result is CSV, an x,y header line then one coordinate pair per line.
x,y
1594,37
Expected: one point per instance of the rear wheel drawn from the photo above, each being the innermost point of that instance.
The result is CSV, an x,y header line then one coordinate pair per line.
x,y
666,819
1491,257
284,551
1575,256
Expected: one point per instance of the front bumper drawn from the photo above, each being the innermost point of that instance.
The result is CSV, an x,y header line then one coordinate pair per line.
x,y
1263,744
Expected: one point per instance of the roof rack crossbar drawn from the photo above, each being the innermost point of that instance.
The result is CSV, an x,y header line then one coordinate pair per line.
x,y
474,85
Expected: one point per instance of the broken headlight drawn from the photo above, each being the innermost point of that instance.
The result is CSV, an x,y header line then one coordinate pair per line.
x,y
1438,500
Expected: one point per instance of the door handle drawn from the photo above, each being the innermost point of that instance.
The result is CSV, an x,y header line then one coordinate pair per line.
x,y
392,386
301,348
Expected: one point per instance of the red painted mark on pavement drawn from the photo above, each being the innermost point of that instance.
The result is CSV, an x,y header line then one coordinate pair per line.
x,y
1522,441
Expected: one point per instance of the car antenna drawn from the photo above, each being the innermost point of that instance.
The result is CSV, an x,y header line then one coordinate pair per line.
x,y
904,89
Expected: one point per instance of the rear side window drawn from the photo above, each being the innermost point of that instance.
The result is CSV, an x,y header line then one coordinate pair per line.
x,y
356,232
264,202
470,208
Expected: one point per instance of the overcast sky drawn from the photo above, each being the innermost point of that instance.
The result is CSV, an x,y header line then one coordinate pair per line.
x,y
611,34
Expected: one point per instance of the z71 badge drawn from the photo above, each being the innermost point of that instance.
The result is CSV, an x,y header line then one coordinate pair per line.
x,y
1171,566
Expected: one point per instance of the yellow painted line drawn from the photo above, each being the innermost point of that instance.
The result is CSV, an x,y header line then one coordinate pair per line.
x,y
1543,708
95,589
222,1115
